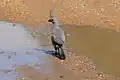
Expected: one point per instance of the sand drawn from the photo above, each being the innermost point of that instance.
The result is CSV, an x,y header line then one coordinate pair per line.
x,y
94,12
73,68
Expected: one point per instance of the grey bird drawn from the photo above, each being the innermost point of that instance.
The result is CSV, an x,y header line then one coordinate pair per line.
x,y
58,37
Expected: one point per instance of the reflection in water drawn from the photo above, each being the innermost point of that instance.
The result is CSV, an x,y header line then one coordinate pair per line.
x,y
15,37
18,48
24,57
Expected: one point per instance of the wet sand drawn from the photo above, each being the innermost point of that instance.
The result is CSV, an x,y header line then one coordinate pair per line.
x,y
74,67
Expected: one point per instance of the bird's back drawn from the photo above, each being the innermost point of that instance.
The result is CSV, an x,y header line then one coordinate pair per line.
x,y
58,35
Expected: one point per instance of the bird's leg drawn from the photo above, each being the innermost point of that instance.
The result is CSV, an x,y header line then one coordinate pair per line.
x,y
56,49
60,50
61,53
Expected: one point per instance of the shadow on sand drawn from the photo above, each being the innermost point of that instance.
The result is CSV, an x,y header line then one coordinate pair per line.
x,y
53,53
37,51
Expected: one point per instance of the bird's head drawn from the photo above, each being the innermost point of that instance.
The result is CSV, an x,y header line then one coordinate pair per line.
x,y
51,20
52,17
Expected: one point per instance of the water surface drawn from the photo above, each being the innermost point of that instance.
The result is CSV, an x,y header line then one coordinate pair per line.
x,y
98,43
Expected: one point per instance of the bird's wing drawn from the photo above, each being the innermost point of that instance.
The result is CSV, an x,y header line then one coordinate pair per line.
x,y
59,36
59,40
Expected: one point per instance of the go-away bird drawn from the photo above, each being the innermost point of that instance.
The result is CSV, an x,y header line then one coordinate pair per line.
x,y
58,37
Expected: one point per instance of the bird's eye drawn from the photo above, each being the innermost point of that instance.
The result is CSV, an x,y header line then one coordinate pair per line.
x,y
51,20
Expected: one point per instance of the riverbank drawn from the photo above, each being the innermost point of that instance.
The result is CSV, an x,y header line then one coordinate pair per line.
x,y
74,67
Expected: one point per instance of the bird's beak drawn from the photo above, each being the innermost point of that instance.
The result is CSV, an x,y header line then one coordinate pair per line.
x,y
49,20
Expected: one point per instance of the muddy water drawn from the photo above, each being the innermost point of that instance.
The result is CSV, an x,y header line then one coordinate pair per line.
x,y
100,44
27,53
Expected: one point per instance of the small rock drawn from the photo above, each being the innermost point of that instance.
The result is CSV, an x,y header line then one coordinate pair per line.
x,y
28,52
68,34
61,76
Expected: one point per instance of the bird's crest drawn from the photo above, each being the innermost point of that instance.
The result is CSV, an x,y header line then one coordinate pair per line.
x,y
51,14
53,19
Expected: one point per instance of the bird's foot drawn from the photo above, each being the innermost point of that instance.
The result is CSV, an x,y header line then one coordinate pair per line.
x,y
56,53
60,56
